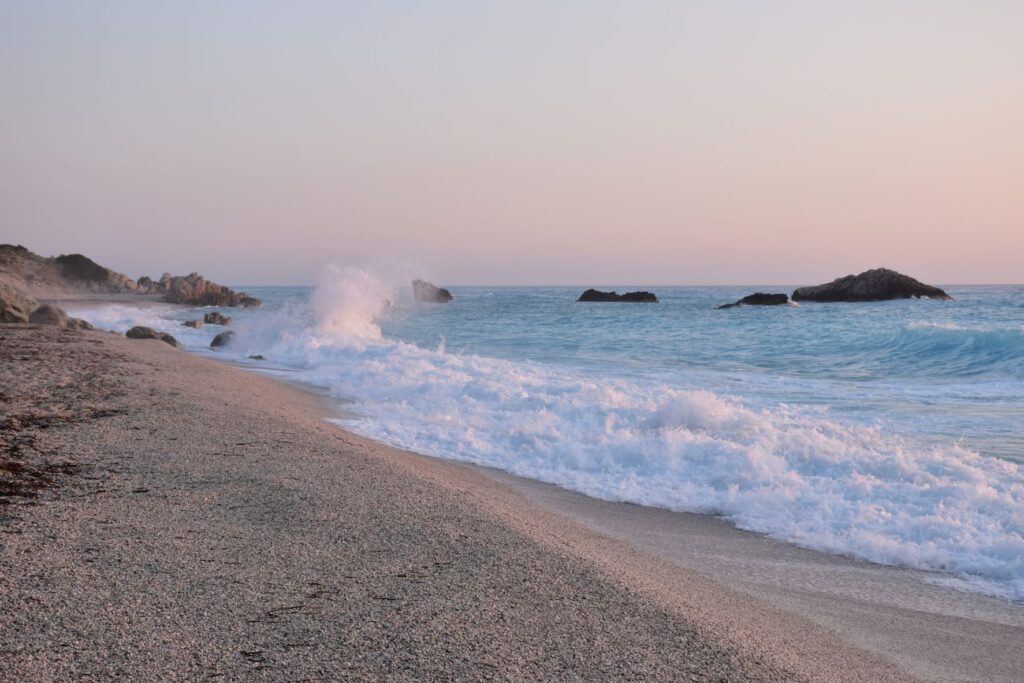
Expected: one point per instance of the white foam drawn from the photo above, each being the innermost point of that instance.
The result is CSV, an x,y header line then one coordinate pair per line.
x,y
794,474
790,472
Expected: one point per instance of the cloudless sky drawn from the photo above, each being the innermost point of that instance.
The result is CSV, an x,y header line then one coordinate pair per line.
x,y
576,142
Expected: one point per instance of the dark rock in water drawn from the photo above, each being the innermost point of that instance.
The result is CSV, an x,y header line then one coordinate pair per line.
x,y
49,315
250,302
629,297
140,332
196,324
879,284
759,299
428,293
222,339
257,357
216,318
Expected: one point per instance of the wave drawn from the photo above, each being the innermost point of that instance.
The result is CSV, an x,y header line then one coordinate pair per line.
x,y
792,473
948,349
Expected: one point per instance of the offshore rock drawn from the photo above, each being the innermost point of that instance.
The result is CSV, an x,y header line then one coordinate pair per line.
x,y
592,295
216,318
427,293
759,299
879,284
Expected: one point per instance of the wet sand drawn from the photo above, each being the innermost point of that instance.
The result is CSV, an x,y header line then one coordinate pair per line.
x,y
175,518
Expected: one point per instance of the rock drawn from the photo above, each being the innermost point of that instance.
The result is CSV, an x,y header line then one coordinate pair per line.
x,y
140,332
216,318
425,292
79,324
258,357
222,339
193,323
879,284
196,290
592,295
759,299
15,306
49,315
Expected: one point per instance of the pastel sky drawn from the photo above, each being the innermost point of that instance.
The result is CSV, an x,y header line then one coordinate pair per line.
x,y
575,142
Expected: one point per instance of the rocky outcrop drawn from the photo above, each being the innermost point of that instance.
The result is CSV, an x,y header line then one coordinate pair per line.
x,y
195,324
759,299
196,290
427,293
879,284
594,295
216,318
140,332
222,339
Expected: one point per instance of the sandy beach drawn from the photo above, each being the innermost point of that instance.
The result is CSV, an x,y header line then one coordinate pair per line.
x,y
178,518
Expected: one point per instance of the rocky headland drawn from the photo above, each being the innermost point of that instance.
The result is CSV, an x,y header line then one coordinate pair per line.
x,y
28,280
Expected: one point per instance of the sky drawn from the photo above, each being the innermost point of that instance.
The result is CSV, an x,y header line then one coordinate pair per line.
x,y
576,142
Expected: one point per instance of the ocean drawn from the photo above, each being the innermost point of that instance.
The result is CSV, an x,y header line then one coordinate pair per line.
x,y
889,431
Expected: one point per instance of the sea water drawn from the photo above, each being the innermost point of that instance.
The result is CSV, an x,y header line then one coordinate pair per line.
x,y
889,431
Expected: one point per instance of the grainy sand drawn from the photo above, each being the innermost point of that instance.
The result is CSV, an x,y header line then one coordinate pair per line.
x,y
183,519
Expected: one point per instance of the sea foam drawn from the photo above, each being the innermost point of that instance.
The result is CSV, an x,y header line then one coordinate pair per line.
x,y
792,473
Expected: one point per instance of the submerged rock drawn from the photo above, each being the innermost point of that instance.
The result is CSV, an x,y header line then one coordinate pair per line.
x,y
49,315
629,297
195,324
140,332
216,318
759,299
222,339
427,293
879,284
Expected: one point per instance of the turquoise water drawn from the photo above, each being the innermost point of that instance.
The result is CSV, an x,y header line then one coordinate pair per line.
x,y
890,431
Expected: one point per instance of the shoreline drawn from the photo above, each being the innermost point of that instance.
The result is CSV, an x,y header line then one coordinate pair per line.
x,y
214,524
698,568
